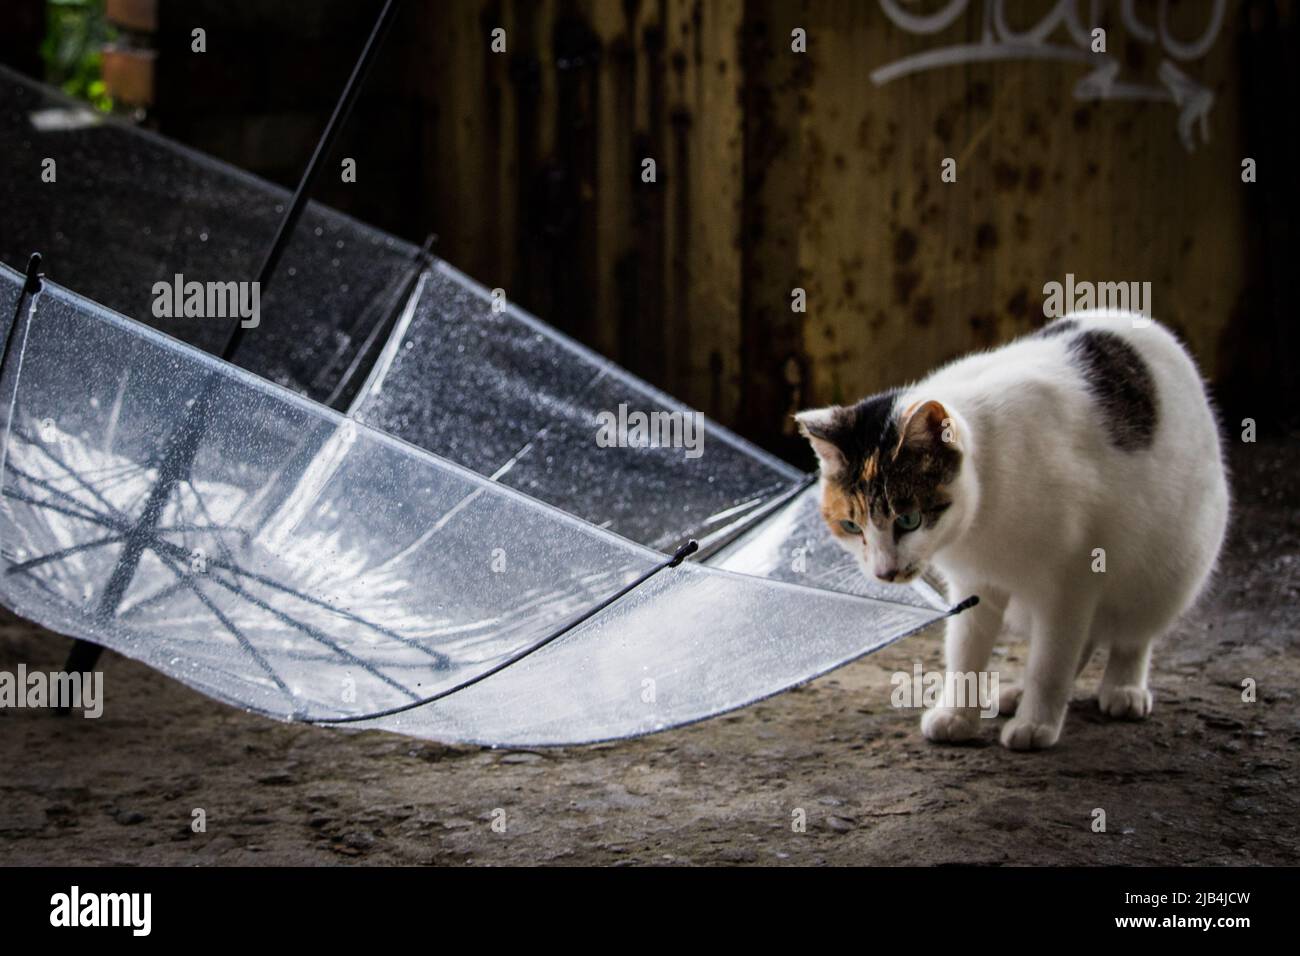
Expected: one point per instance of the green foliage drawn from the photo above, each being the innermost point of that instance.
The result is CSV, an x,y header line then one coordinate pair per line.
x,y
75,32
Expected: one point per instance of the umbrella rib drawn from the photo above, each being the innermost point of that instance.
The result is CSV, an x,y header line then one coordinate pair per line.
x,y
40,446
176,551
161,595
62,553
342,108
46,588
727,534
198,499
253,652
318,636
156,545
83,515
203,528
43,484
169,590
111,471
123,478
442,659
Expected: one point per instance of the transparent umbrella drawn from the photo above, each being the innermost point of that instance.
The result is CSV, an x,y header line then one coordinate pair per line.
x,y
390,507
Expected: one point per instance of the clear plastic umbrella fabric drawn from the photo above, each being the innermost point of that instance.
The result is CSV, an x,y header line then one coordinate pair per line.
x,y
395,510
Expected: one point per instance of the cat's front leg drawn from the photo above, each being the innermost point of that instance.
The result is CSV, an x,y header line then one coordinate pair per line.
x,y
967,642
1060,632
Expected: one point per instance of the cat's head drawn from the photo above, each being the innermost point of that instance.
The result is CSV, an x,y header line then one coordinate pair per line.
x,y
893,488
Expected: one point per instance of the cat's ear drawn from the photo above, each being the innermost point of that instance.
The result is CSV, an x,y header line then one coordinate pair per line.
x,y
929,425
818,425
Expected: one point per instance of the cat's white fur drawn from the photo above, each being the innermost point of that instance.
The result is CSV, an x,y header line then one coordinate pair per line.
x,y
1041,488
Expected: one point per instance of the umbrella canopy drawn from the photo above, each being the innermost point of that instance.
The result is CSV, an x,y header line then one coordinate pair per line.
x,y
396,510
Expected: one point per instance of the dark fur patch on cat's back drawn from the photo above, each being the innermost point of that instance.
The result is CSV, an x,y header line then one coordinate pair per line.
x,y
1057,327
1122,385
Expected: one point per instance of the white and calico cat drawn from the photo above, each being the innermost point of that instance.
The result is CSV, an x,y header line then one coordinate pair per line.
x,y
1019,473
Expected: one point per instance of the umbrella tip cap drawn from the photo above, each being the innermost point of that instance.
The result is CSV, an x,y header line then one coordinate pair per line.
x,y
34,274
685,551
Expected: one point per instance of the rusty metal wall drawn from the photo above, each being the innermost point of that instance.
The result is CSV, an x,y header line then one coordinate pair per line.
x,y
779,169
818,170
536,183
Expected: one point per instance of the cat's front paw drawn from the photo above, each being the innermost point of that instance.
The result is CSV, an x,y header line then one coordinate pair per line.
x,y
1127,703
1022,734
949,725
1009,699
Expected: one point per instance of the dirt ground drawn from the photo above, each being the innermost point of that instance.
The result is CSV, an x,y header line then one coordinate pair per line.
x,y
1209,779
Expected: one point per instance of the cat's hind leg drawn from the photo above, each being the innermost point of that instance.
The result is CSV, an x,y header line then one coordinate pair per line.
x,y
1010,694
1129,631
1123,692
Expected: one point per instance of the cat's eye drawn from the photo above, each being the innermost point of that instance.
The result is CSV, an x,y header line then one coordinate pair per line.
x,y
851,527
909,521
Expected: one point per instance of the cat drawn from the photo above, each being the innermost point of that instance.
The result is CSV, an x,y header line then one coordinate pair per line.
x,y
1072,479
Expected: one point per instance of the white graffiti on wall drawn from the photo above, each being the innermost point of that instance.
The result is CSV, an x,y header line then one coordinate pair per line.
x,y
1000,42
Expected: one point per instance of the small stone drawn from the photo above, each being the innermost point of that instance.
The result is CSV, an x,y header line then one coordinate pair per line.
x,y
1221,723
358,840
